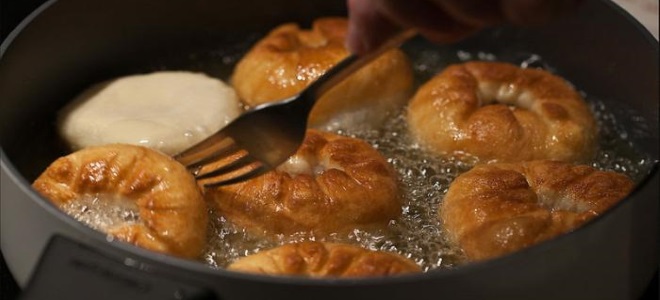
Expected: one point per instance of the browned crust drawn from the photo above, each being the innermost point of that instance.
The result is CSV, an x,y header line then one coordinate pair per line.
x,y
357,190
496,209
316,259
537,115
171,207
289,58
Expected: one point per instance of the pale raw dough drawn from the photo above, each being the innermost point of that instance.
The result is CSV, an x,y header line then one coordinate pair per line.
x,y
167,111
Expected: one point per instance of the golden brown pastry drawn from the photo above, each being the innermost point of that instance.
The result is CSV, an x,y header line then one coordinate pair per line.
x,y
289,58
497,209
171,213
333,183
500,112
316,259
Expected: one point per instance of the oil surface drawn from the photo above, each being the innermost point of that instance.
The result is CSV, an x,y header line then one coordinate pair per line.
x,y
424,179
103,211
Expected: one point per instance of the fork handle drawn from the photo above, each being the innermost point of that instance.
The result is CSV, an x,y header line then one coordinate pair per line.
x,y
351,64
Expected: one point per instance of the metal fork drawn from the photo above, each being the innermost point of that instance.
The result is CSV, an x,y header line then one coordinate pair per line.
x,y
264,137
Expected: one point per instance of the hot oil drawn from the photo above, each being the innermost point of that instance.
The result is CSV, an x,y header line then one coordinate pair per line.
x,y
103,212
424,180
616,151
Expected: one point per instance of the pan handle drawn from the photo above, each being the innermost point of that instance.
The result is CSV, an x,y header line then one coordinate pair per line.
x,y
70,270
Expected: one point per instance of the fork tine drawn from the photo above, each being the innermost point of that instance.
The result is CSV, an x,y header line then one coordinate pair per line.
x,y
207,150
225,166
229,151
237,175
265,136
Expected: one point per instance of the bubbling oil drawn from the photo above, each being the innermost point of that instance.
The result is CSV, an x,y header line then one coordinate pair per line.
x,y
103,212
424,179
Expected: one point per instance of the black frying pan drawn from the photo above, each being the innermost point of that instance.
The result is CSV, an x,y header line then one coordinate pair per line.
x,y
67,45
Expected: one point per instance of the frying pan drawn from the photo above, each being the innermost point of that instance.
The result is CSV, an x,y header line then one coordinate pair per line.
x,y
66,46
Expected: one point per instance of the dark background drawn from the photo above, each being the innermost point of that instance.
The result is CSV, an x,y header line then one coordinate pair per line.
x,y
14,11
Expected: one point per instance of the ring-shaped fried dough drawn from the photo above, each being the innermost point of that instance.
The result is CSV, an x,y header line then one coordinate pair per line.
x,y
317,259
333,183
499,112
172,214
495,209
289,58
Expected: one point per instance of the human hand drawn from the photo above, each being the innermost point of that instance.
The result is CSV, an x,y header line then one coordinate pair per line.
x,y
443,21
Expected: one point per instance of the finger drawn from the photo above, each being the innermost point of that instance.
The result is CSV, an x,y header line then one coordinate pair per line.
x,y
367,27
430,20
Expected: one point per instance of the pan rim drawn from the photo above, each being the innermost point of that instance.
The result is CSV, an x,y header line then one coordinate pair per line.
x,y
21,182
